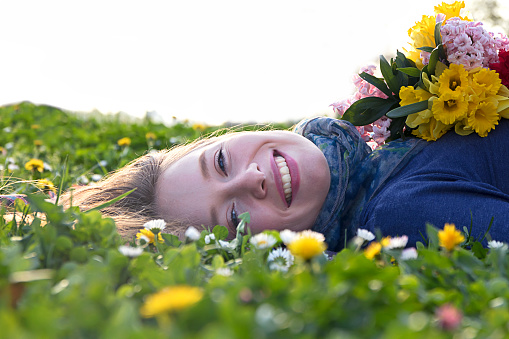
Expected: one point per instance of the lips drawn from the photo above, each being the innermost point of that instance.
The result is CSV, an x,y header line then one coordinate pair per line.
x,y
286,176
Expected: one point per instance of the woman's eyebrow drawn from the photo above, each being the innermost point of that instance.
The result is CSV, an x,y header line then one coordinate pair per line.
x,y
203,166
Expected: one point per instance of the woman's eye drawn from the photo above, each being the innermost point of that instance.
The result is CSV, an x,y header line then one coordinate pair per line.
x,y
221,161
235,220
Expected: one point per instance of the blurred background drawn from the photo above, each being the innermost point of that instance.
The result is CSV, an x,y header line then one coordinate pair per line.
x,y
206,61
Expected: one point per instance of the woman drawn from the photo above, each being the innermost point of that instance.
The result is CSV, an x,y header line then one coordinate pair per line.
x,y
323,177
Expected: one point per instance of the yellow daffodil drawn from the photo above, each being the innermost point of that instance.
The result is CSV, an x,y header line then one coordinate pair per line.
x,y
45,185
422,34
451,10
484,118
149,235
126,141
450,107
410,95
454,79
432,130
373,250
450,237
415,119
169,299
35,165
150,136
307,244
486,82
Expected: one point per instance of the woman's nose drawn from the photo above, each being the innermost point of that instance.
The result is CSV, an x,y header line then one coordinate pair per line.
x,y
253,180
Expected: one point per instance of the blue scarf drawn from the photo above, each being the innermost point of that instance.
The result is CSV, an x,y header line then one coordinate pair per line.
x,y
357,173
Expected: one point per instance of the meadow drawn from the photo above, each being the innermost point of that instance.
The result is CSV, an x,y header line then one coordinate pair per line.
x,y
68,274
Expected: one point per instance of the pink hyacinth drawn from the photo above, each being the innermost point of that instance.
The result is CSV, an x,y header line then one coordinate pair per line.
x,y
376,133
469,44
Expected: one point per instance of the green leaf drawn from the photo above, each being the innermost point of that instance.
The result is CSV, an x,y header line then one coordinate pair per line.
x,y
412,71
220,232
367,110
111,202
377,82
433,59
438,36
403,111
432,233
389,76
426,49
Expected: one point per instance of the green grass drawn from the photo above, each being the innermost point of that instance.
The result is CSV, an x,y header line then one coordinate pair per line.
x,y
68,279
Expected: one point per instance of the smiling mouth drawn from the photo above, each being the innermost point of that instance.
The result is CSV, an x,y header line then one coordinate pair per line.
x,y
286,179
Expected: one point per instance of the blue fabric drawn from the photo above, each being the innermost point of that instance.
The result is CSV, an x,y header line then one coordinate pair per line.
x,y
457,179
356,173
401,186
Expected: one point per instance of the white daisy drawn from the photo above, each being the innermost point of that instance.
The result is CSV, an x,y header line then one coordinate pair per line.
x,y
96,177
263,240
155,225
103,163
209,237
409,253
365,234
192,233
230,245
129,251
287,236
397,242
280,259
495,244
224,271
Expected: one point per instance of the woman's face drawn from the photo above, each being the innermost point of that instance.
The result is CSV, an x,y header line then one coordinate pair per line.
x,y
279,177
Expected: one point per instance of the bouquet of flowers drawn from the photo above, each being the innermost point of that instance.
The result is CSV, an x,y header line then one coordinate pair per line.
x,y
455,75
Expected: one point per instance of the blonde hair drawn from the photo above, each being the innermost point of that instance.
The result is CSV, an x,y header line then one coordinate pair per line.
x,y
142,174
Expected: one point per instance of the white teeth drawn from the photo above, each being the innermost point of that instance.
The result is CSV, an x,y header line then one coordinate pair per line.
x,y
285,177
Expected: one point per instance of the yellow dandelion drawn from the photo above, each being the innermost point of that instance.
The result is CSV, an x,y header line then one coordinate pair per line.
x,y
307,244
484,117
35,165
45,185
453,79
149,235
199,127
385,241
373,250
126,141
486,82
431,130
450,107
38,142
174,298
449,237
150,136
35,126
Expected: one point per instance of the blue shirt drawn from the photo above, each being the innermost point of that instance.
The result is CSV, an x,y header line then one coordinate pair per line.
x,y
405,184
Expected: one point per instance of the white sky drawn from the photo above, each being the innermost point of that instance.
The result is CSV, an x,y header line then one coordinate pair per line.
x,y
204,60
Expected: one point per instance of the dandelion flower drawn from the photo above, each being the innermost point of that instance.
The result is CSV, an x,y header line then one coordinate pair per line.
x,y
131,252
34,165
280,259
192,233
126,141
169,299
373,250
307,244
45,185
37,142
365,234
144,233
150,136
263,240
449,237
